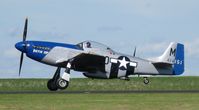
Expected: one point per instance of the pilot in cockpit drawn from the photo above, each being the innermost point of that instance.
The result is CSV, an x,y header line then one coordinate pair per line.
x,y
88,45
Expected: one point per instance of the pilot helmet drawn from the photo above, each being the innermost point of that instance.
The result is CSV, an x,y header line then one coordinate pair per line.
x,y
88,45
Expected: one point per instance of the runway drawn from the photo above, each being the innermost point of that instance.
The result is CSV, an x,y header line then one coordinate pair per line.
x,y
99,92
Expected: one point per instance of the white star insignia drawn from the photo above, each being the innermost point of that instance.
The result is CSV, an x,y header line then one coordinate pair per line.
x,y
123,63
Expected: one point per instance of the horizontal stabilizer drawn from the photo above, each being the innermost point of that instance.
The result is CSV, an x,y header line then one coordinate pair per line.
x,y
173,57
162,64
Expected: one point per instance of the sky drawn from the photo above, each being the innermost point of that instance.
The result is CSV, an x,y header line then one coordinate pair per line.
x,y
150,25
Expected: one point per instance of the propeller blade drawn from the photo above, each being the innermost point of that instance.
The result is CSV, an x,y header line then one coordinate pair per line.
x,y
21,61
134,52
24,39
25,30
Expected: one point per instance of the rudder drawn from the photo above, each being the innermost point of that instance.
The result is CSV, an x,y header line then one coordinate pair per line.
x,y
178,67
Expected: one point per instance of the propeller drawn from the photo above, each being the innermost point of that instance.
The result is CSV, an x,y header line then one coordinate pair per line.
x,y
21,60
25,30
134,52
24,39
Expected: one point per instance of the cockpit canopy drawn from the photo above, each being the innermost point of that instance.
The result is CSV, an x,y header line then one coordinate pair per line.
x,y
94,45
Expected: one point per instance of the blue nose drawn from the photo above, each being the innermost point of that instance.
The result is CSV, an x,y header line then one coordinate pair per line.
x,y
21,46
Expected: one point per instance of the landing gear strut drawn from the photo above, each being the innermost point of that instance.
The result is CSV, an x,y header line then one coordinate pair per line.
x,y
58,82
146,80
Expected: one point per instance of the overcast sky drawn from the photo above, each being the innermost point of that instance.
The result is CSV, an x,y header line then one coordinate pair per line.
x,y
121,24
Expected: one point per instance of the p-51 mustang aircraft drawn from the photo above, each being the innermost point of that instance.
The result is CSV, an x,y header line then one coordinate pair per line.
x,y
96,60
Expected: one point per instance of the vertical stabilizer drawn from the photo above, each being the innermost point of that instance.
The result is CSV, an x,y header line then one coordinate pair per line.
x,y
174,55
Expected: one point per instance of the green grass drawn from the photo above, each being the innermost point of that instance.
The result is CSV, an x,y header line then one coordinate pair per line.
x,y
99,101
132,101
86,84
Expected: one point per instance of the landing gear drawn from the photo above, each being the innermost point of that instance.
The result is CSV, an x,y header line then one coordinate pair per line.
x,y
58,82
62,84
146,80
52,85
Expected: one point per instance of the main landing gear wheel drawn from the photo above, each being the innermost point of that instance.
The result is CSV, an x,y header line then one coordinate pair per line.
x,y
62,84
58,82
146,80
52,85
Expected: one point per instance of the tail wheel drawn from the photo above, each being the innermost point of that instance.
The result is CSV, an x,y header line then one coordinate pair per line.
x,y
146,80
62,84
51,85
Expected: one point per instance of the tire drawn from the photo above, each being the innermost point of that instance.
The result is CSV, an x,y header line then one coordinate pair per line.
x,y
52,85
146,81
62,84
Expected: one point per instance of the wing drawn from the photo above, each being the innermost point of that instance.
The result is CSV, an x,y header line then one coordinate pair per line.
x,y
86,63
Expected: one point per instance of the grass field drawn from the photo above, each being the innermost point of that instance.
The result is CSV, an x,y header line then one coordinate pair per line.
x,y
91,101
85,84
99,101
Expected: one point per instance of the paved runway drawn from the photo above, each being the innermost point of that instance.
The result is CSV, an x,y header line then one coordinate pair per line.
x,y
103,92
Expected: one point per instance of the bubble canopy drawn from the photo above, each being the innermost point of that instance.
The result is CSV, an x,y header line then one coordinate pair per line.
x,y
94,45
